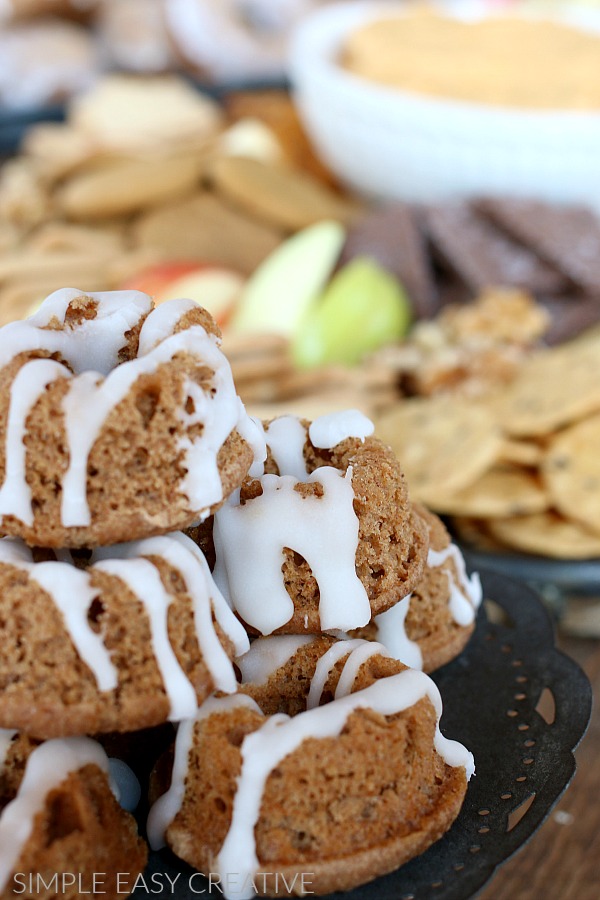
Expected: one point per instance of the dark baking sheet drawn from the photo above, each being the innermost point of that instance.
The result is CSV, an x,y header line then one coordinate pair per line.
x,y
490,697
14,124
575,576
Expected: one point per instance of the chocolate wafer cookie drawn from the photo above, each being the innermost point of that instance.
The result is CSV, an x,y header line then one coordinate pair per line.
x,y
483,256
570,316
392,237
566,237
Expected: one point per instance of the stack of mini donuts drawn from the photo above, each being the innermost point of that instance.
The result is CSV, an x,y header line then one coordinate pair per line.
x,y
266,589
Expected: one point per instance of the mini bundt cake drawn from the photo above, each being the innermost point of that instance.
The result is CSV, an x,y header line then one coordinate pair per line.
x,y
346,791
139,636
62,831
326,538
117,421
433,624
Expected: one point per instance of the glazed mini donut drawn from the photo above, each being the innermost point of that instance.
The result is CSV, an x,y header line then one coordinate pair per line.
x,y
234,39
347,791
59,815
326,538
433,624
138,637
116,421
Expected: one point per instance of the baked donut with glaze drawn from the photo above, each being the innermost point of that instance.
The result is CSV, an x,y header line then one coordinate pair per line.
x,y
433,624
135,636
60,823
117,421
348,790
326,538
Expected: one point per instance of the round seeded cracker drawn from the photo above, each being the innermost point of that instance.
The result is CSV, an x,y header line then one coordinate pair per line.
x,y
553,389
503,491
444,444
546,534
571,471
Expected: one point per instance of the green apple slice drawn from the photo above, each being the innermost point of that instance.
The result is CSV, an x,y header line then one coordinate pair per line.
x,y
363,308
279,293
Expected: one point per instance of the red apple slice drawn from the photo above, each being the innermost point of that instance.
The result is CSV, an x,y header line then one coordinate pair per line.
x,y
213,287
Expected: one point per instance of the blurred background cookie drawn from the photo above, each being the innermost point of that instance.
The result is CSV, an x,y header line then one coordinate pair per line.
x,y
44,62
26,9
133,35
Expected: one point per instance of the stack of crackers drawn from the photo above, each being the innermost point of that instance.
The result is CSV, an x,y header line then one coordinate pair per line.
x,y
520,468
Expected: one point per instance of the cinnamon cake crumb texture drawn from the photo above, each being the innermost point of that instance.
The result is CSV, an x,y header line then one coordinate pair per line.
x,y
134,473
120,429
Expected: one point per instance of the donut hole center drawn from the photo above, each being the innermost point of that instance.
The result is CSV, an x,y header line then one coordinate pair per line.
x,y
235,736
79,310
94,615
147,403
64,817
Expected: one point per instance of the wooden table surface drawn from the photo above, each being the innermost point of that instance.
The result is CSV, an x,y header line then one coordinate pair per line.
x,y
562,860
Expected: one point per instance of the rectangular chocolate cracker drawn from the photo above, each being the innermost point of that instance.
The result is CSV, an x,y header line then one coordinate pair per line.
x,y
392,237
484,256
569,316
567,237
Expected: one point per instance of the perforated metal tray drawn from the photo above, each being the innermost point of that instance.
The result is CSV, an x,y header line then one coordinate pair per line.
x,y
522,707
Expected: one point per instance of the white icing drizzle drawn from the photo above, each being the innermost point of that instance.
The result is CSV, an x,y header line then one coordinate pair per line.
x,y
268,654
91,349
324,667
229,623
253,433
250,540
71,592
91,399
199,584
264,749
31,381
6,737
286,437
161,322
47,767
329,430
144,581
391,632
166,807
465,597
357,658
97,341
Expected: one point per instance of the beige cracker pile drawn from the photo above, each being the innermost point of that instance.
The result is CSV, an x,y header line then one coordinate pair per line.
x,y
148,170
521,467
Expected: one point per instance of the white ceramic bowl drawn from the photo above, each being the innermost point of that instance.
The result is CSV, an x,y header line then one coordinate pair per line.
x,y
387,143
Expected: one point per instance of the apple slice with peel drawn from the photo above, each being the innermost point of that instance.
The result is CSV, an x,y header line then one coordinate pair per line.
x,y
214,287
363,308
154,280
287,283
